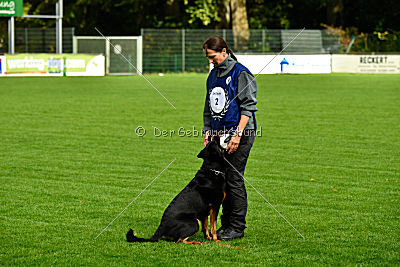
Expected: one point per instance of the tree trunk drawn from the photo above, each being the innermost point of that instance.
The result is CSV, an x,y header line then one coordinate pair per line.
x,y
224,11
334,12
172,8
240,25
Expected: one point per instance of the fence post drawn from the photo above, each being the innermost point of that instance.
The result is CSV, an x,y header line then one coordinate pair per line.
x,y
224,34
263,40
42,31
175,63
26,40
183,50
74,44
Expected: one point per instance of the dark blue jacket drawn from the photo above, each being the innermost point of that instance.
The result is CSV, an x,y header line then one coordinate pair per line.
x,y
222,98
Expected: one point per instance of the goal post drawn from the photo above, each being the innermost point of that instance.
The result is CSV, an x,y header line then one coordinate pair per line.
x,y
123,54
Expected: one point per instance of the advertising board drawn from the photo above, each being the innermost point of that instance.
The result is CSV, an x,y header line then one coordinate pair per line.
x,y
54,65
2,65
366,63
270,64
11,8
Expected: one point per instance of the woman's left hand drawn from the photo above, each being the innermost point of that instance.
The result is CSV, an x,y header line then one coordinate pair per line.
x,y
233,144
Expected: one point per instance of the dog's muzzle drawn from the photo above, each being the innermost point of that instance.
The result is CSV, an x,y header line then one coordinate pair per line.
x,y
221,139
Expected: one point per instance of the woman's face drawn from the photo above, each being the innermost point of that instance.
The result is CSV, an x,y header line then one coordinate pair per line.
x,y
215,57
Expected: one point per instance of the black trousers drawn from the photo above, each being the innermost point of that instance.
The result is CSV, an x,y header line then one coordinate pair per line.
x,y
234,207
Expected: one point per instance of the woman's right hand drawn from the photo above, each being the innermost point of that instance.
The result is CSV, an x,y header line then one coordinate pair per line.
x,y
207,134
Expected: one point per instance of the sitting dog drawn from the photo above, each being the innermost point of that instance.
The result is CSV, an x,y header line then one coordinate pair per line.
x,y
202,197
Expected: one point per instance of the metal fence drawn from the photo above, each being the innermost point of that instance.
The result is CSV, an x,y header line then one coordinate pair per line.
x,y
38,40
179,50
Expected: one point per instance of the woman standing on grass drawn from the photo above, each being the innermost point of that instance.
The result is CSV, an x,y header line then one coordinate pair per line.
x,y
229,107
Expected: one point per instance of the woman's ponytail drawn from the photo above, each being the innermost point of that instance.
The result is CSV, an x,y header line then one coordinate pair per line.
x,y
231,53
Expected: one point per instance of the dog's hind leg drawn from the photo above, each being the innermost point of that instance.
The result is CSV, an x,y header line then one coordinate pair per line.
x,y
189,230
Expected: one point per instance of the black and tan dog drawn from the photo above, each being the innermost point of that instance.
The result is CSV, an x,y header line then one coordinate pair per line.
x,y
201,198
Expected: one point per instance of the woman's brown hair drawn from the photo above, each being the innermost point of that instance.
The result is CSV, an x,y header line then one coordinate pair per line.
x,y
216,43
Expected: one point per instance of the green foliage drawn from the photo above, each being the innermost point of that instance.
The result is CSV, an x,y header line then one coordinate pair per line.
x,y
386,41
375,25
204,10
127,17
269,14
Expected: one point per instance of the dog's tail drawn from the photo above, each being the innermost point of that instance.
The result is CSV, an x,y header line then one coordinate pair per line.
x,y
130,237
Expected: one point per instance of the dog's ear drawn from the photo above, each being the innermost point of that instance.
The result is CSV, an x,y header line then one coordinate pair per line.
x,y
205,152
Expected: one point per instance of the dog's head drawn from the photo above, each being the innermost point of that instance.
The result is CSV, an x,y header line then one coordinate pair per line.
x,y
213,156
213,167
212,151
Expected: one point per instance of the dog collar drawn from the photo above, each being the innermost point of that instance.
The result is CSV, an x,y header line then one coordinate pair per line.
x,y
217,172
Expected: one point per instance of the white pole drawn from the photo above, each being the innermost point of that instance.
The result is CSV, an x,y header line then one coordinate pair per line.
x,y
59,14
107,44
11,36
139,52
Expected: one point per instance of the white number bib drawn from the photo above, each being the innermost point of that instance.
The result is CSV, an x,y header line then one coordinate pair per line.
x,y
217,99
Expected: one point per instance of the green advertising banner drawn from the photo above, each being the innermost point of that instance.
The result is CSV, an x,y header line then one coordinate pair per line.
x,y
54,65
11,8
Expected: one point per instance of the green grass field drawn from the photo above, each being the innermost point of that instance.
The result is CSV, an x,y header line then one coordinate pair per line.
x,y
70,161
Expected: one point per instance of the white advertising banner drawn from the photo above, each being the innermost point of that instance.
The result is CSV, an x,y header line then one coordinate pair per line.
x,y
93,66
53,65
2,65
286,63
366,63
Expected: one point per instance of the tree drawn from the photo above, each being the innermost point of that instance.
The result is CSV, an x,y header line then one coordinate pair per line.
x,y
334,12
240,24
224,13
273,14
127,17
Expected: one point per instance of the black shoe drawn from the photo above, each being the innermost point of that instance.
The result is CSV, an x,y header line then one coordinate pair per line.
x,y
230,234
220,230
